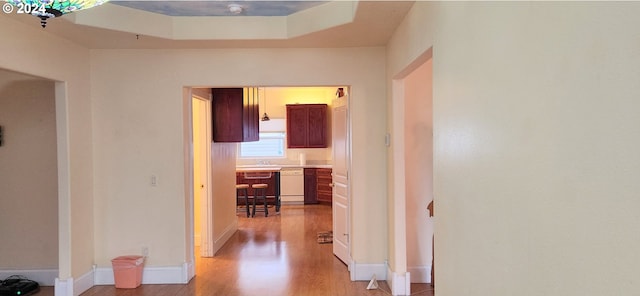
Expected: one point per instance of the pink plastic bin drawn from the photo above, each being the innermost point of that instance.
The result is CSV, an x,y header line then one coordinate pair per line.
x,y
127,271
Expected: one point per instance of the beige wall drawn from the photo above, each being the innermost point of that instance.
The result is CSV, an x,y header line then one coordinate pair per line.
x,y
418,127
223,160
535,144
29,173
35,52
406,51
138,126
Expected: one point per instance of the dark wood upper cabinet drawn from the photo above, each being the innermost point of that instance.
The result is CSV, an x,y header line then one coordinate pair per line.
x,y
235,115
307,126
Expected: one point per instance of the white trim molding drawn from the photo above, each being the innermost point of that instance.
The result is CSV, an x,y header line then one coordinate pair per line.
x,y
420,274
400,283
84,282
152,275
364,272
226,235
71,287
44,277
63,287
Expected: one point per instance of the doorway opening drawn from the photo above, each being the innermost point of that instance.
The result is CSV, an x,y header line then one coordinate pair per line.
x,y
29,155
412,155
418,153
217,210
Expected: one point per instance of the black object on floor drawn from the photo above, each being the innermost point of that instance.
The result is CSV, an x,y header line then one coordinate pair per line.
x,y
17,285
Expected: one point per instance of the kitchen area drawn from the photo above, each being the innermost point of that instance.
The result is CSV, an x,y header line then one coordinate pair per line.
x,y
284,141
272,147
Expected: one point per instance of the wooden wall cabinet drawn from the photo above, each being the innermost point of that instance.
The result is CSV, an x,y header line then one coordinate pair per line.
x,y
307,126
235,115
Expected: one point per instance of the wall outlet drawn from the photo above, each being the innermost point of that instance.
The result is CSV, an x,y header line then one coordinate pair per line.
x,y
145,251
154,180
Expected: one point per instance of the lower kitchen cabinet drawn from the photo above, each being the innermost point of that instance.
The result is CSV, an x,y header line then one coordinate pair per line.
x,y
269,178
317,185
310,186
325,189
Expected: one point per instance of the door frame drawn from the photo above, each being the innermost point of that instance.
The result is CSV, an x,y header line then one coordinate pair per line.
x,y
206,246
187,100
399,278
347,104
187,93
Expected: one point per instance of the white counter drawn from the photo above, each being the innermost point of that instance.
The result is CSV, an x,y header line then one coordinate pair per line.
x,y
256,168
278,167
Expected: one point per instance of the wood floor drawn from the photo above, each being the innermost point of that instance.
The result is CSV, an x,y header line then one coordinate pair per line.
x,y
277,255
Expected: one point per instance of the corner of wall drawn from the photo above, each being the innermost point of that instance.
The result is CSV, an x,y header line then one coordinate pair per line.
x,y
400,283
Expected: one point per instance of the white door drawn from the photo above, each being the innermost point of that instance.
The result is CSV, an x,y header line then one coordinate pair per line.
x,y
340,198
201,172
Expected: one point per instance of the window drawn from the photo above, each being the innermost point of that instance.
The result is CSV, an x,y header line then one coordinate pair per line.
x,y
271,144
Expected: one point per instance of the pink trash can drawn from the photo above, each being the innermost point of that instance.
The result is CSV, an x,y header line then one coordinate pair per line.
x,y
127,271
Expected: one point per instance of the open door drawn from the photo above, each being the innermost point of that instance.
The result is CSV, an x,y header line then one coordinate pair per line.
x,y
202,199
340,200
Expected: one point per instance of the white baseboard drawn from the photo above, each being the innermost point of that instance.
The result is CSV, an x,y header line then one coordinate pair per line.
x,y
400,283
84,282
225,236
71,287
63,287
44,277
190,269
364,272
104,276
420,274
151,275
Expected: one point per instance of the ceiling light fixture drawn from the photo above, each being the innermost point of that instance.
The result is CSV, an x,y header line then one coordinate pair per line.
x,y
265,117
45,9
235,8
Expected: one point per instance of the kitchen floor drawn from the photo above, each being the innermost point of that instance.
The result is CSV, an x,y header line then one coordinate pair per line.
x,y
276,255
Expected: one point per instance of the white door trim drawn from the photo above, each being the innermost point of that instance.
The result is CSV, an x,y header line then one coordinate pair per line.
x,y
341,247
207,243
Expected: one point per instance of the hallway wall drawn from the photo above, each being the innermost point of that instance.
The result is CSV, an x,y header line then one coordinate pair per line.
x,y
536,133
29,50
28,173
137,100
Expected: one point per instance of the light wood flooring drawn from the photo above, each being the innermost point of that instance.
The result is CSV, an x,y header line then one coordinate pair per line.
x,y
277,255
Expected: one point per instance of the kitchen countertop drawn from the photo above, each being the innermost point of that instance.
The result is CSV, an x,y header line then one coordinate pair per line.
x,y
278,167
258,168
